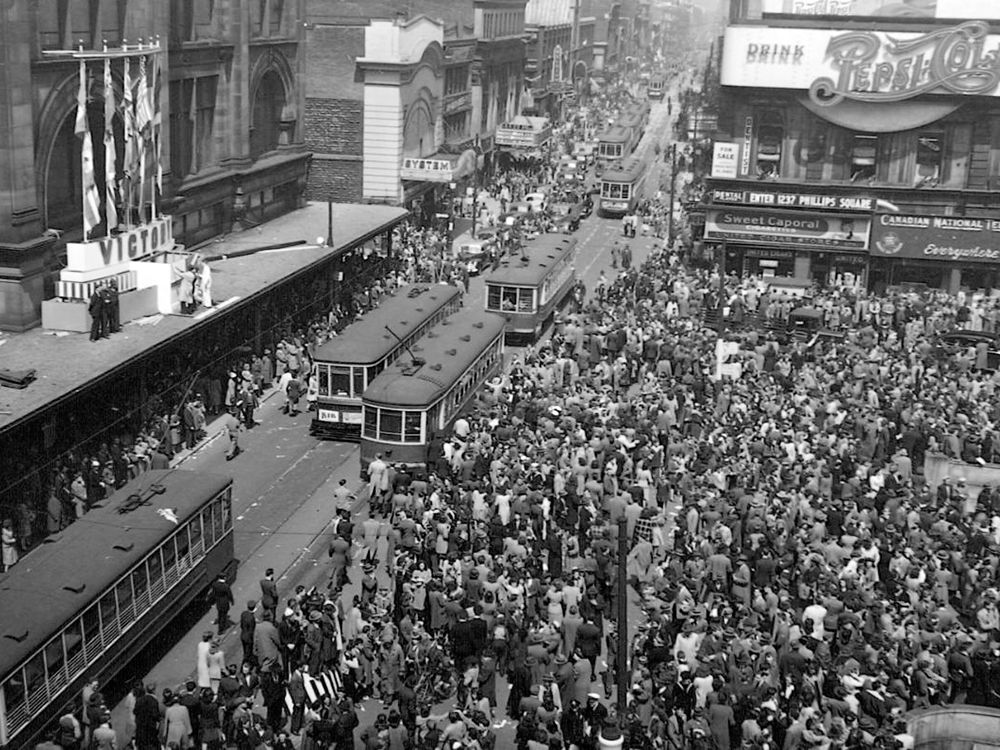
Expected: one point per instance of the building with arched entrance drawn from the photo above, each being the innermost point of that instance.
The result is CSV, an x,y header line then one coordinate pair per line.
x,y
401,107
229,97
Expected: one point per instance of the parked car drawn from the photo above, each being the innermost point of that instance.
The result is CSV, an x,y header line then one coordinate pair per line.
x,y
476,250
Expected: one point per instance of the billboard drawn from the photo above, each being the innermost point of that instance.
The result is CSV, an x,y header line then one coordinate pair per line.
x,y
793,228
949,238
725,159
867,66
957,9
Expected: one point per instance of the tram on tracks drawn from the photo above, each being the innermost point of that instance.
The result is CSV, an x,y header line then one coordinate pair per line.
x,y
528,288
83,604
346,364
417,399
621,188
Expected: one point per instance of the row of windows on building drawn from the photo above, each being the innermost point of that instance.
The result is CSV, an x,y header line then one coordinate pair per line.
x,y
938,155
92,23
497,24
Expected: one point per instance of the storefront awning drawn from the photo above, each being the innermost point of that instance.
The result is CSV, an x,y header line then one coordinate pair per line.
x,y
869,117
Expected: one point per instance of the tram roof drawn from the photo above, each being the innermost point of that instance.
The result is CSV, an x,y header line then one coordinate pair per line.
x,y
542,253
366,341
66,573
68,364
625,171
614,134
447,350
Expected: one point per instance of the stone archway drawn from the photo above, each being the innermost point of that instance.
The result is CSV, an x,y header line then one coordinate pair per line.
x,y
268,115
419,127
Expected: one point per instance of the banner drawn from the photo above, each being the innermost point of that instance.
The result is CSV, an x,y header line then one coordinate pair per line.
x,y
110,152
887,8
948,238
91,199
793,228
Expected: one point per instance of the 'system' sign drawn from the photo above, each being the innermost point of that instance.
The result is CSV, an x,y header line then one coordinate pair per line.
x,y
872,68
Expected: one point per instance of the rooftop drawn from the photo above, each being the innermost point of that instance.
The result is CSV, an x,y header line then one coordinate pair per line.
x,y
343,11
67,362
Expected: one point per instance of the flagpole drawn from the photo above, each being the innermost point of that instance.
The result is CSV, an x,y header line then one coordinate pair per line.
x,y
128,122
142,101
110,150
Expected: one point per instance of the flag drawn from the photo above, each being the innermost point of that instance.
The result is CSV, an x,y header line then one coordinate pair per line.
x,y
325,684
193,117
143,112
110,151
157,129
91,199
128,118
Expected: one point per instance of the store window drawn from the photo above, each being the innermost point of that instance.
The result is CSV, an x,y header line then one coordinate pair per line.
x,y
929,153
769,139
864,157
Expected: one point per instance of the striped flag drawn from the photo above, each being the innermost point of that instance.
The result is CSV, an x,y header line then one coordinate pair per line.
x,y
91,199
143,111
128,118
155,93
110,149
325,684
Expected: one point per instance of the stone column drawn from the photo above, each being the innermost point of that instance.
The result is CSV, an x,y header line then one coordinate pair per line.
x,y
23,248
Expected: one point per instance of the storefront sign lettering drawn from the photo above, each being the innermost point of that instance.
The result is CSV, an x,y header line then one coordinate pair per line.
x,y
136,244
724,159
775,54
784,228
747,146
793,200
937,238
874,68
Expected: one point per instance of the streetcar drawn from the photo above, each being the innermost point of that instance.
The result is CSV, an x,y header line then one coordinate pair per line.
x,y
613,145
655,89
82,605
528,288
347,363
621,188
412,403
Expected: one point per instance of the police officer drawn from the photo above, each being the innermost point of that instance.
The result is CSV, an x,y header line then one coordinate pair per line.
x,y
107,303
96,310
115,311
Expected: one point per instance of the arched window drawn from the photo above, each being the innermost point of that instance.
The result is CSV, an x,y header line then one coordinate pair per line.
x,y
268,106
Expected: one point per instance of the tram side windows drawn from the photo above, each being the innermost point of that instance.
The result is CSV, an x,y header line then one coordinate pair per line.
x,y
155,567
358,375
126,602
323,376
390,425
73,642
92,645
34,680
509,299
15,700
197,538
526,300
110,628
207,527
371,423
340,381
55,664
413,427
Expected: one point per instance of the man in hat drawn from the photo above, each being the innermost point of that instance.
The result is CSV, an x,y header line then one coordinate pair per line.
x,y
223,597
248,623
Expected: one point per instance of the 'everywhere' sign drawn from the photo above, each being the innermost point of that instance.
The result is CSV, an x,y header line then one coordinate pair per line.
x,y
778,199
790,228
948,238
869,66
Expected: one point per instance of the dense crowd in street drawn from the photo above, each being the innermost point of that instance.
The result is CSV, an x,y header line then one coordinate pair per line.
x,y
797,583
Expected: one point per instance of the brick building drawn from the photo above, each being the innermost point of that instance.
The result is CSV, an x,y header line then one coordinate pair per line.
x,y
399,106
230,103
845,152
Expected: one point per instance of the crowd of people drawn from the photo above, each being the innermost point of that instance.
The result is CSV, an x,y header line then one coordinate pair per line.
x,y
793,580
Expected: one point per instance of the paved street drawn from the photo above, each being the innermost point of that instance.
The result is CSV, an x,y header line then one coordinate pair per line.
x,y
284,481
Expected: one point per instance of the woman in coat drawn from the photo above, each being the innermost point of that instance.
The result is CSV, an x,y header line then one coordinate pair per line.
x,y
176,724
210,725
204,679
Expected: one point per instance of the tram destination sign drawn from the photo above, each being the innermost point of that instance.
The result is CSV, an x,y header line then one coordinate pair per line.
x,y
778,199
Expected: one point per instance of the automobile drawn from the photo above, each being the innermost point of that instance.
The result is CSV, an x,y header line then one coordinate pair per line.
x,y
807,322
475,250
535,201
953,342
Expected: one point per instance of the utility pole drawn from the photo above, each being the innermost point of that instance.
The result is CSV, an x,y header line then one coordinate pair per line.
x,y
574,40
621,676
673,193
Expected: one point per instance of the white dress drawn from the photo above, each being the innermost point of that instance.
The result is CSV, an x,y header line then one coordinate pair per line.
x,y
204,679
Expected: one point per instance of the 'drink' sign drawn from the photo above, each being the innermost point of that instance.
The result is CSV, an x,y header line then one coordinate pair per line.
x,y
135,244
